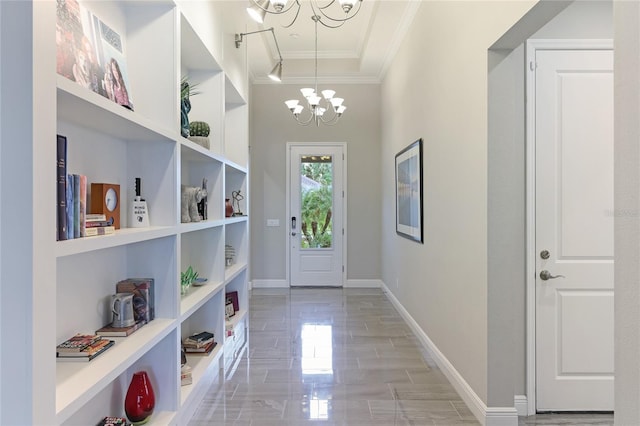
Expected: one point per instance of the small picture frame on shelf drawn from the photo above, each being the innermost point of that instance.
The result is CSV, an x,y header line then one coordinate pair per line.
x,y
228,309
233,297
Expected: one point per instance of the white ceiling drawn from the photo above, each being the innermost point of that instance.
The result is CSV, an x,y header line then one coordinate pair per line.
x,y
357,52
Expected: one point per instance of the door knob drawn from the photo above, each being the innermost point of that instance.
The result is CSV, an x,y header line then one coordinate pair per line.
x,y
293,234
546,275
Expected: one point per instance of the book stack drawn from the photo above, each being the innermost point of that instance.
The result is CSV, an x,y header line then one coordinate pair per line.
x,y
110,331
114,421
97,224
200,343
82,348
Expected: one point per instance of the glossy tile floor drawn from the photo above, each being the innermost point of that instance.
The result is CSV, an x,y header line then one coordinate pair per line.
x,y
337,357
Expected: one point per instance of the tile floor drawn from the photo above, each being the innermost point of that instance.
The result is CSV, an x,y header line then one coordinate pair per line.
x,y
338,357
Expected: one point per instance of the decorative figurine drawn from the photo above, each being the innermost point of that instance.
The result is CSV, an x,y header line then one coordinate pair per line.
x,y
237,197
191,196
202,205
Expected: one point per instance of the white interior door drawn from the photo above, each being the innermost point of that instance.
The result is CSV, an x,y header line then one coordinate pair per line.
x,y
574,230
316,228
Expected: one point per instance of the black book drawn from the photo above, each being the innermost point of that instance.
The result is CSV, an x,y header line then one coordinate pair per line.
x,y
200,337
62,186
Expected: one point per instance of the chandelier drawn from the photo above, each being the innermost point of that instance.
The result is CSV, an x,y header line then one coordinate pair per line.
x,y
326,111
259,9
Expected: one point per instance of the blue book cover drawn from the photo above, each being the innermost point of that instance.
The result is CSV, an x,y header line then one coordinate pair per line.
x,y
69,206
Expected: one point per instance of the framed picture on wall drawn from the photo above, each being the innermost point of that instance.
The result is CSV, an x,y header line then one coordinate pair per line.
x,y
409,219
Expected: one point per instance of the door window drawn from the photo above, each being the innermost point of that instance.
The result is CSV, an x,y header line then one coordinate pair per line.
x,y
316,194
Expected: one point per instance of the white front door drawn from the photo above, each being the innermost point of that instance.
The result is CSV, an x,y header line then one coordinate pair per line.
x,y
316,228
574,230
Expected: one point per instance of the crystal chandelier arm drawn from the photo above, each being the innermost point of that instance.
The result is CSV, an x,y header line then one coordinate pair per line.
x,y
295,17
304,122
329,121
266,9
315,5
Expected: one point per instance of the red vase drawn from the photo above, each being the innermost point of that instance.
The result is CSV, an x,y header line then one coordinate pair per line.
x,y
228,208
140,400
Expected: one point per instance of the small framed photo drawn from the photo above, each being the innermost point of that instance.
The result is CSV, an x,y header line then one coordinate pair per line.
x,y
233,296
228,309
409,219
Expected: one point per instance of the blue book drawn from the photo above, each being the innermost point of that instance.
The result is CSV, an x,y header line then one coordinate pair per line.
x,y
69,206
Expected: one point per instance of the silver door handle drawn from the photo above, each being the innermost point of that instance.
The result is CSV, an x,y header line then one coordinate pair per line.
x,y
546,275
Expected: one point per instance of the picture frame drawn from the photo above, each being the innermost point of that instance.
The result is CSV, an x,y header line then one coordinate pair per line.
x,y
228,309
409,184
233,296
91,53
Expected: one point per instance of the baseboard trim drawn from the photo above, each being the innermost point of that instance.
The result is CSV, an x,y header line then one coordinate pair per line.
x,y
488,416
521,405
283,284
269,284
363,284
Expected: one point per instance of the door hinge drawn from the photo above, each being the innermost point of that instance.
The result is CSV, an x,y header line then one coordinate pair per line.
x,y
342,268
342,231
342,194
533,65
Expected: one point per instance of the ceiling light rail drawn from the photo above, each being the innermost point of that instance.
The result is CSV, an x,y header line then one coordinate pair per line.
x,y
259,9
276,72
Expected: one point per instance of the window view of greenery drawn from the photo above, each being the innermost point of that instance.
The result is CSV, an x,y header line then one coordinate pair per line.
x,y
316,178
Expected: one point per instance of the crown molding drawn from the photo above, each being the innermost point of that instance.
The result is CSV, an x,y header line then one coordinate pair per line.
x,y
402,29
337,79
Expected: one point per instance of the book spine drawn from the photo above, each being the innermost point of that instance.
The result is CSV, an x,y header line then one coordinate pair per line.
x,y
83,203
76,206
69,207
99,230
95,216
96,224
62,186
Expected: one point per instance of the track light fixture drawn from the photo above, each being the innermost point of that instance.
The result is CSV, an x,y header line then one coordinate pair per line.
x,y
259,9
276,72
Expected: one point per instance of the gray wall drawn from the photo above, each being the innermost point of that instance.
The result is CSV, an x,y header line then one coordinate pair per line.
x,y
437,89
506,227
627,207
271,127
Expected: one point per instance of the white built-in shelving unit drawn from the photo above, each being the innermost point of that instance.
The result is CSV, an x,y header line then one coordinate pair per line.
x,y
109,143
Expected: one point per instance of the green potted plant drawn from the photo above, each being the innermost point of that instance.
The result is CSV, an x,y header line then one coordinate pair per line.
x,y
187,89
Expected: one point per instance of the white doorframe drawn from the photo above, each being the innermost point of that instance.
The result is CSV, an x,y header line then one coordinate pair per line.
x,y
532,46
342,145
